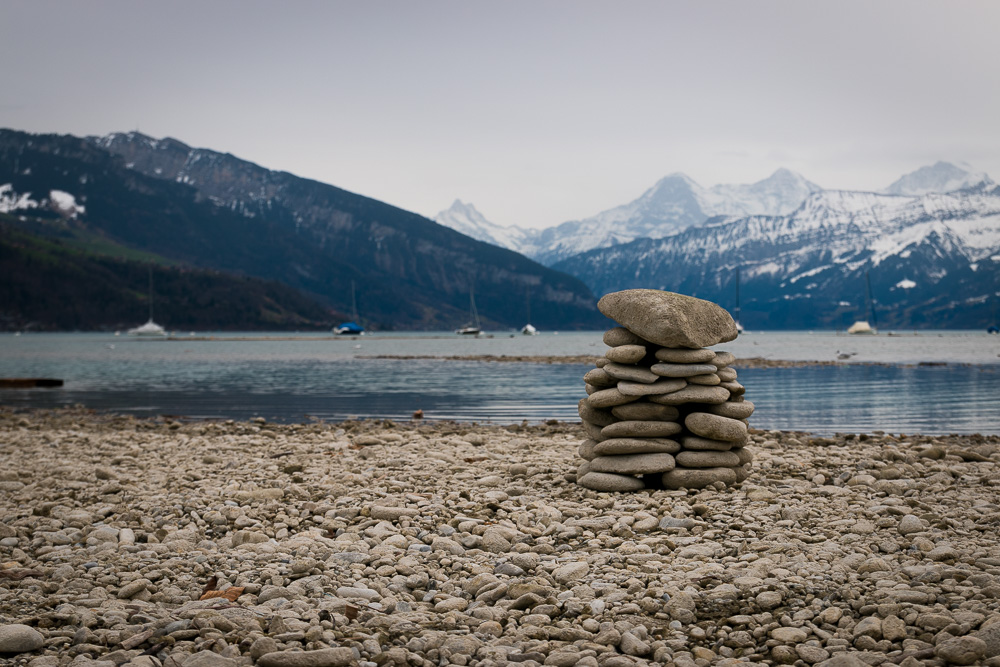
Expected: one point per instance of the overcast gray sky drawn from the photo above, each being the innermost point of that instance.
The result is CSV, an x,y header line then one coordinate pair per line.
x,y
536,111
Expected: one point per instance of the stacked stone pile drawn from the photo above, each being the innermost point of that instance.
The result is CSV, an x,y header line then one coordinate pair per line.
x,y
662,410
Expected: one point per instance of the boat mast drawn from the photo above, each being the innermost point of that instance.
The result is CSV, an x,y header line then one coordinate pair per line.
x,y
354,304
150,292
870,304
472,306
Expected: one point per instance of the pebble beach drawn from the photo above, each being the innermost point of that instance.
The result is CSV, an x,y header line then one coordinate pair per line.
x,y
419,543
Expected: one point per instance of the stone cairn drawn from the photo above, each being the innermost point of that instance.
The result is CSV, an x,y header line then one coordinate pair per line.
x,y
663,411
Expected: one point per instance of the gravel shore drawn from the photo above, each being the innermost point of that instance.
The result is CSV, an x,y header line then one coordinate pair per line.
x,y
380,543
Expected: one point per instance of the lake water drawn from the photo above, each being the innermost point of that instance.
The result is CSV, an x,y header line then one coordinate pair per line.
x,y
319,377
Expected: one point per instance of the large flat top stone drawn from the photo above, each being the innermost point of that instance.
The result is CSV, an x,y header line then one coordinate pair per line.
x,y
669,319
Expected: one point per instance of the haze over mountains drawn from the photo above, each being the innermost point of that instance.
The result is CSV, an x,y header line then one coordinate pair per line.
x,y
79,216
201,209
930,242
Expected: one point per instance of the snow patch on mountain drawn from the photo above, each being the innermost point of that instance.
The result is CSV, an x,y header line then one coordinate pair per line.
x,y
66,203
11,201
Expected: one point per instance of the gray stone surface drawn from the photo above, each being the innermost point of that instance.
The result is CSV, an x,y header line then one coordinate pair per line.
x,y
683,355
723,358
633,464
693,393
663,386
641,429
606,398
697,478
669,319
646,411
707,459
630,373
635,446
603,481
626,354
741,410
681,370
327,657
716,427
708,379
599,378
596,416
698,443
621,336
20,638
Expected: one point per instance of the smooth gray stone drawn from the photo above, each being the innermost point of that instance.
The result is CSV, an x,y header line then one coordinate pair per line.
x,y
662,386
743,472
696,443
598,416
698,478
716,427
669,319
20,638
726,374
593,431
746,456
723,359
681,370
324,657
681,355
583,469
734,388
599,378
615,446
587,450
606,398
645,411
601,362
621,336
591,389
707,380
741,410
631,373
626,354
693,393
633,464
640,429
707,459
605,481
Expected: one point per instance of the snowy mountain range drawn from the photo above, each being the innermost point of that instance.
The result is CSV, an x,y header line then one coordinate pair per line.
x,y
933,261
930,243
673,204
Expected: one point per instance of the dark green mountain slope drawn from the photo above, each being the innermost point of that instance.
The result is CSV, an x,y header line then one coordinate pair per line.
x,y
54,284
216,211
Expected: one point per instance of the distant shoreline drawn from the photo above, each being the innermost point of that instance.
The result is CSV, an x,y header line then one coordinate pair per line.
x,y
749,362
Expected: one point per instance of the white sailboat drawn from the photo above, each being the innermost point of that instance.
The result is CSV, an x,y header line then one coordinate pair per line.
x,y
528,329
862,327
150,328
352,328
474,327
739,327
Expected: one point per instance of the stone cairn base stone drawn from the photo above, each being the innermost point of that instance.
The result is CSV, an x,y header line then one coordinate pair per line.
x,y
662,410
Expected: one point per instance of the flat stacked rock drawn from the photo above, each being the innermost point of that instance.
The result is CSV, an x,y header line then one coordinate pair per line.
x,y
662,410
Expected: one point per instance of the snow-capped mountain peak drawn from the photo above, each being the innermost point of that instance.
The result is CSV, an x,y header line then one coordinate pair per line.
x,y
466,219
939,177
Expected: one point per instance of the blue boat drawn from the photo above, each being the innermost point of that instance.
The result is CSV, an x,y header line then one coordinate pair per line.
x,y
351,328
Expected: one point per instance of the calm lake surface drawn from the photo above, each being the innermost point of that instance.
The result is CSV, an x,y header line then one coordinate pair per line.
x,y
319,377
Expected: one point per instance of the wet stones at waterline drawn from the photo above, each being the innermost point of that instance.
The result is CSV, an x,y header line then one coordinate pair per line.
x,y
662,410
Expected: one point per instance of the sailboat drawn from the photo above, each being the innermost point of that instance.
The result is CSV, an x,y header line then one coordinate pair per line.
x,y
150,328
528,329
739,327
474,327
351,328
862,327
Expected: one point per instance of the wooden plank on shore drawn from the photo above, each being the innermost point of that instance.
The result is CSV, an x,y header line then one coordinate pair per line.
x,y
29,383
